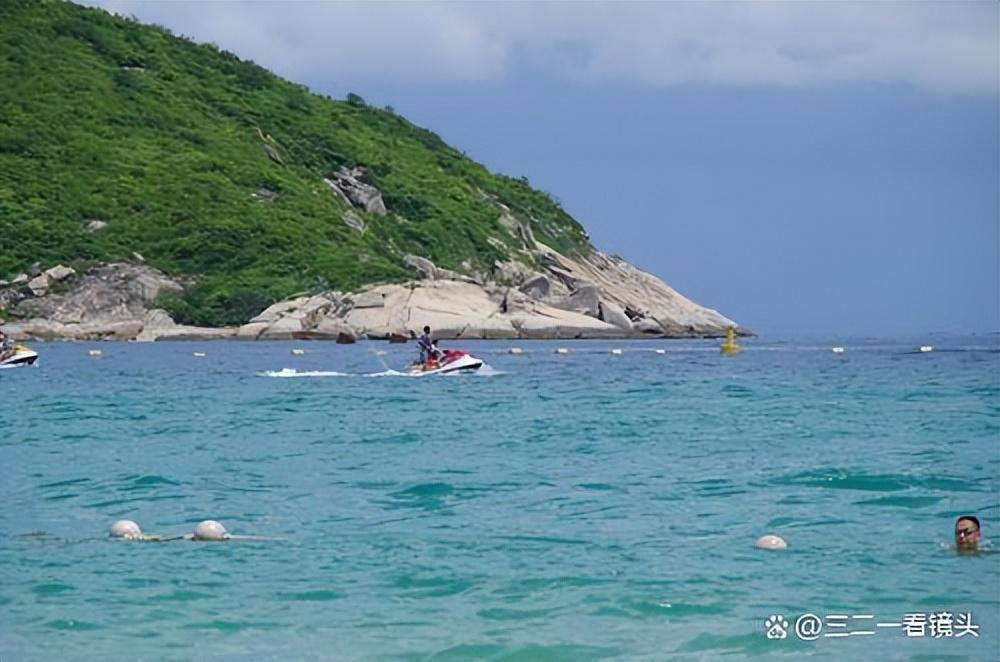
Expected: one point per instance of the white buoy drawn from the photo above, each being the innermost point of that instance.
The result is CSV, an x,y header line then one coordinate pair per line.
x,y
562,350
616,352
926,348
515,350
94,352
660,351
837,350
200,355
298,352
125,528
771,543
210,530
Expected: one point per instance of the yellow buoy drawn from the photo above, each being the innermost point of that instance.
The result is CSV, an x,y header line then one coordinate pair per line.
x,y
516,350
730,346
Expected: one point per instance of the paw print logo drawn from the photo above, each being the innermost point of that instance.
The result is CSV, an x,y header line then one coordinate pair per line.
x,y
776,627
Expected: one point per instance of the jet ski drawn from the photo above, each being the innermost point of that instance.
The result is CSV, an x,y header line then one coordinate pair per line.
x,y
21,355
450,360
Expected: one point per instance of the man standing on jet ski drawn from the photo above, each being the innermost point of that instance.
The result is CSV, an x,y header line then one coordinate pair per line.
x,y
6,346
427,348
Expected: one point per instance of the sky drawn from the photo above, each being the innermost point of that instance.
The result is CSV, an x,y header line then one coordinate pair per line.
x,y
802,167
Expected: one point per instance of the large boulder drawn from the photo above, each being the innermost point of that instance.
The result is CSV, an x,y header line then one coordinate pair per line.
x,y
537,287
614,315
105,293
347,183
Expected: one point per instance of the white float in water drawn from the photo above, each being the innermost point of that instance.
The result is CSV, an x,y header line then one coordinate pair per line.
x,y
298,352
771,543
838,350
125,528
516,350
200,355
562,350
616,352
210,530
926,348
94,352
660,351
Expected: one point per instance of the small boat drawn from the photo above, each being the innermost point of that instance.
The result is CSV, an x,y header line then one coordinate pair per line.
x,y
22,355
452,360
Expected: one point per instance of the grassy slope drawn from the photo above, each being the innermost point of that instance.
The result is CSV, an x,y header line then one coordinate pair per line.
x,y
104,118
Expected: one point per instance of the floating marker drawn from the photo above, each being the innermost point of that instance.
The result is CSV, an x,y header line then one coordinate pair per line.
x,y
516,350
298,352
616,352
562,350
379,352
94,352
660,351
200,355
926,348
771,543
837,350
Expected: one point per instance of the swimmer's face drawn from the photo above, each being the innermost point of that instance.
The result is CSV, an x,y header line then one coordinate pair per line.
x,y
966,534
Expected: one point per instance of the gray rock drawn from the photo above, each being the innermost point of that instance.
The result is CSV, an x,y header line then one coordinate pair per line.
x,y
347,182
35,270
106,293
284,329
368,300
422,265
265,194
59,272
39,285
20,279
272,154
612,314
96,225
584,299
537,287
353,221
647,325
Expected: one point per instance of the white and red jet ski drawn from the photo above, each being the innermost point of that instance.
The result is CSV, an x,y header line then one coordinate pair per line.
x,y
451,360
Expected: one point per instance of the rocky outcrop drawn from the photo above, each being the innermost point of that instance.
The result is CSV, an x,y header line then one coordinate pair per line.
x,y
110,301
347,183
305,318
538,293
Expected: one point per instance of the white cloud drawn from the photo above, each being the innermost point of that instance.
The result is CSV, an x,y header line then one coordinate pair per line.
x,y
951,47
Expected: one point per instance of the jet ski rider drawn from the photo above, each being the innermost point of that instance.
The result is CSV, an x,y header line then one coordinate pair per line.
x,y
428,350
6,346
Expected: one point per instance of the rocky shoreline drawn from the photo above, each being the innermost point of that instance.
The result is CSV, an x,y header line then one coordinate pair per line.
x,y
594,296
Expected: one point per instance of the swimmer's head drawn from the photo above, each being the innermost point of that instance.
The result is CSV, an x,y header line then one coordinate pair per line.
x,y
125,528
210,530
967,533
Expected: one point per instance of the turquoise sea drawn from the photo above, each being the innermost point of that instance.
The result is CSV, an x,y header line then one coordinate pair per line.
x,y
560,507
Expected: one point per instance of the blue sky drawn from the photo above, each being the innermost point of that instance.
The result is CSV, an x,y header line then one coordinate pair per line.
x,y
802,167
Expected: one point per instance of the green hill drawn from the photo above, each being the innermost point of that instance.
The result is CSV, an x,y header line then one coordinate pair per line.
x,y
213,168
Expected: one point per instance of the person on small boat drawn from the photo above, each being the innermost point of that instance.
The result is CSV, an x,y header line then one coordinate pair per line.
x,y
6,346
428,349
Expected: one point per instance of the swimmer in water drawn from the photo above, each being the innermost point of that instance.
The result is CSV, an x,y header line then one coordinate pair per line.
x,y
967,533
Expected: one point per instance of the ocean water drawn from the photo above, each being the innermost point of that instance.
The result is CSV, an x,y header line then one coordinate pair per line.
x,y
575,507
